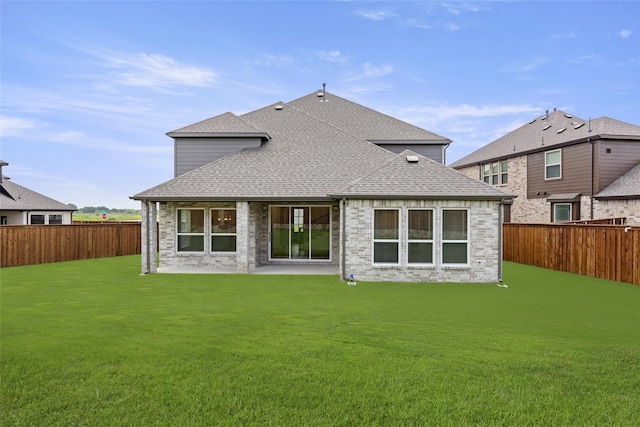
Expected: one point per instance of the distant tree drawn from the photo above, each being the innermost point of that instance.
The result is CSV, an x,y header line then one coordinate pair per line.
x,y
72,206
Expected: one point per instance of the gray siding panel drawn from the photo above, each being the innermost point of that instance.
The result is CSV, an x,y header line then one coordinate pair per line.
x,y
191,153
431,151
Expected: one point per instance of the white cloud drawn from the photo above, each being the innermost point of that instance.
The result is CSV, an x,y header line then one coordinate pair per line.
x,y
332,56
524,67
450,26
156,71
375,15
370,71
16,126
625,34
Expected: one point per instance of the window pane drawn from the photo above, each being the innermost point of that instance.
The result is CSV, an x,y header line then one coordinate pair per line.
x,y
454,225
223,243
420,225
562,212
320,233
494,179
223,221
55,219
485,169
385,224
385,252
454,253
420,253
553,171
190,243
279,232
504,178
552,157
504,167
37,219
494,168
190,221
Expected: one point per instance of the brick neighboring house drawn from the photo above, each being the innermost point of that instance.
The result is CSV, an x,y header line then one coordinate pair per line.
x,y
563,168
21,206
321,180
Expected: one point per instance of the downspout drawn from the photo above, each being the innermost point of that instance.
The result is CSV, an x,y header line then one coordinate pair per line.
x,y
500,241
343,238
592,186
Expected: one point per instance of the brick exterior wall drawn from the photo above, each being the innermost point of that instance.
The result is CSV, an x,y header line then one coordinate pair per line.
x,y
539,210
484,250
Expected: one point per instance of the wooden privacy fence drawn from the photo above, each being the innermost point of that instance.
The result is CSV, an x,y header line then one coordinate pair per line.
x,y
39,244
604,251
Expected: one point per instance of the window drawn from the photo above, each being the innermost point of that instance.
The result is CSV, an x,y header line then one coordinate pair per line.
x,y
190,230
455,237
552,164
561,212
55,219
496,173
504,173
386,236
37,219
223,230
420,236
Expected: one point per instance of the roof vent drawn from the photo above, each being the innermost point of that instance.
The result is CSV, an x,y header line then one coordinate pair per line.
x,y
532,121
279,107
546,127
562,130
413,159
323,93
568,116
578,126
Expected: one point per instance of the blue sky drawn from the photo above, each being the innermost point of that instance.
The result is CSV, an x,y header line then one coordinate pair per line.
x,y
89,89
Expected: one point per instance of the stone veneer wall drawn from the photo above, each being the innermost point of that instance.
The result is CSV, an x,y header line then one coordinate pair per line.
x,y
629,209
169,257
484,251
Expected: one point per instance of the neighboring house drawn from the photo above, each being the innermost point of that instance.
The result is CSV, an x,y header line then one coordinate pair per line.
x,y
563,168
316,181
19,205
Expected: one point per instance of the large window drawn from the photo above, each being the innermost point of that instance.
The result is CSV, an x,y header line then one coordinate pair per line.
x,y
55,219
223,230
190,230
455,236
386,235
561,212
496,173
420,236
553,164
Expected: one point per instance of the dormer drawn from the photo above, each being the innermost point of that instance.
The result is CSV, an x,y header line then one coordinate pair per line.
x,y
212,139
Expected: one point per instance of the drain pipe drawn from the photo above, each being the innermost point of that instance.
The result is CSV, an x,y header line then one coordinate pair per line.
x,y
500,243
343,239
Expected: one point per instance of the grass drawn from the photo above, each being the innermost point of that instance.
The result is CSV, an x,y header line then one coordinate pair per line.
x,y
94,343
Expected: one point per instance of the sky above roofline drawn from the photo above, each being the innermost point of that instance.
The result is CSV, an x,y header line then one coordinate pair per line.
x,y
89,89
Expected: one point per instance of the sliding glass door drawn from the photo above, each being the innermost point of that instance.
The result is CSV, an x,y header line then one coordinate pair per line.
x,y
300,232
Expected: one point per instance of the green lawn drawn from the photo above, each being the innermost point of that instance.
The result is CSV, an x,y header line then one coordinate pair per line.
x,y
94,343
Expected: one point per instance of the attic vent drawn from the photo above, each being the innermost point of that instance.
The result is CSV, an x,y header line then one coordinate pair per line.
x,y
562,130
546,127
568,116
279,106
412,159
579,126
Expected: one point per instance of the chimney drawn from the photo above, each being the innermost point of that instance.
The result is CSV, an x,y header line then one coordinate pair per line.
x,y
324,92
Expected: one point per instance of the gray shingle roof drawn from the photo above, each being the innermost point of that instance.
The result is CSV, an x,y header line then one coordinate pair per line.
x,y
625,187
362,121
14,197
424,178
308,158
545,132
226,123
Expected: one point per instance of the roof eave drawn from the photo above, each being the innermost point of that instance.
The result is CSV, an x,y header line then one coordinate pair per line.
x,y
262,135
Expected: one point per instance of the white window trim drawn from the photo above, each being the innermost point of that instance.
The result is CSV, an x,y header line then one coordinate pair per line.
x,y
203,234
432,241
443,241
488,174
554,205
374,240
552,164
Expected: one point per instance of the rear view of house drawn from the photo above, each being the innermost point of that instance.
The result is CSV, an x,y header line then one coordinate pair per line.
x,y
321,180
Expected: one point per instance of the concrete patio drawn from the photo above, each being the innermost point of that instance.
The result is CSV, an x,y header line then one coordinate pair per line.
x,y
263,269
